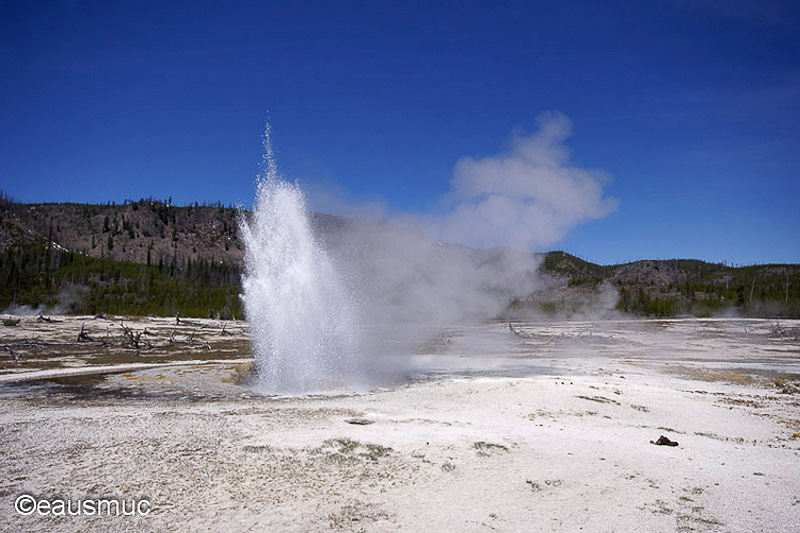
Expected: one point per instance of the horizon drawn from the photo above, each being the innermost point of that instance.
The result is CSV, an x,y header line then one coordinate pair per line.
x,y
216,205
678,122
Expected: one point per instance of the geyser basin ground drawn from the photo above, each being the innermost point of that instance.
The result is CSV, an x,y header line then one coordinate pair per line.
x,y
474,442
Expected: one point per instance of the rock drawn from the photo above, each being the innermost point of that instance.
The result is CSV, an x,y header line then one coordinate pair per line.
x,y
360,421
664,441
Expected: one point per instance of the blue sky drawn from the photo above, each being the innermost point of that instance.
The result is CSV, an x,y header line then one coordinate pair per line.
x,y
690,109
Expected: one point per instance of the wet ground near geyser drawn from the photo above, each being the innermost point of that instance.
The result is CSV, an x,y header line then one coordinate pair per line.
x,y
215,364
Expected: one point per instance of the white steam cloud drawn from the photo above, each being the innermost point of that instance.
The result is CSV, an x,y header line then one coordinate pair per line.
x,y
528,197
503,206
410,276
415,268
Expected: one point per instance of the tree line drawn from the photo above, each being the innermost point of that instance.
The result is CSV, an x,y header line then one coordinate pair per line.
x,y
38,275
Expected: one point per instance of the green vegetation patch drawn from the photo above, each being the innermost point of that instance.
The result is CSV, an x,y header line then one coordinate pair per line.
x,y
348,451
36,275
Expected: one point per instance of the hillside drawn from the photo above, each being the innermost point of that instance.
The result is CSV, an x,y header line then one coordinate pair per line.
x,y
686,286
150,257
141,257
143,231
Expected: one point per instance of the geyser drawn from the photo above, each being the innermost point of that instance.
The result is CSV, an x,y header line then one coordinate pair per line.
x,y
301,317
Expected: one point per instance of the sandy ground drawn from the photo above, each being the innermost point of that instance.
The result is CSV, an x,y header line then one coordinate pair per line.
x,y
545,430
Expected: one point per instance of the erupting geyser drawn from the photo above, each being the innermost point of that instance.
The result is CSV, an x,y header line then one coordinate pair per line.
x,y
301,316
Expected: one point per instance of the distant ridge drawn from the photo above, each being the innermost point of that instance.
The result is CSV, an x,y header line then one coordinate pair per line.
x,y
133,231
186,253
687,286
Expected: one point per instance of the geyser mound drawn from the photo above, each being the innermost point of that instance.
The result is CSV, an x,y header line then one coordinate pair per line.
x,y
301,317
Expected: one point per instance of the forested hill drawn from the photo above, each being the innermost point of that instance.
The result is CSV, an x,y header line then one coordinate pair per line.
x,y
151,257
686,286
144,231
140,257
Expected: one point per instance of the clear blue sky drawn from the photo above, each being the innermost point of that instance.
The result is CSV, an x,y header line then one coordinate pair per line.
x,y
692,108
